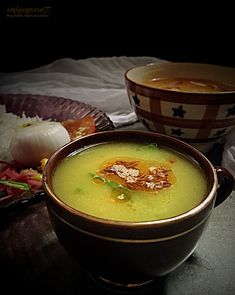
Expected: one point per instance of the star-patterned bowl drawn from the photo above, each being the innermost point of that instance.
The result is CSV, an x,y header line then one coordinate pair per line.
x,y
191,101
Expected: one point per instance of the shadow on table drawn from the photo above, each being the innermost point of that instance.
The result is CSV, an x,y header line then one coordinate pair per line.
x,y
215,154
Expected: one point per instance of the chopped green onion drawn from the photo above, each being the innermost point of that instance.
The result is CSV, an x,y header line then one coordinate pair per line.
x,y
2,194
16,184
111,183
151,147
120,193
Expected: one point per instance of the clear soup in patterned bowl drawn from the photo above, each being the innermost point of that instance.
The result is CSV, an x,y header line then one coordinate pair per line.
x,y
190,101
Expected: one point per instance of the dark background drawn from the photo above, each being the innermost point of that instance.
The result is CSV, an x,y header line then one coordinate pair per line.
x,y
81,32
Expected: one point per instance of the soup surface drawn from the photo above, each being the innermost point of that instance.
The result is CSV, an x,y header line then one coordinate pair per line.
x,y
188,85
129,182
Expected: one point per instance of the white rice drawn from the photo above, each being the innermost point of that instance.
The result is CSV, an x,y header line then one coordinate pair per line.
x,y
9,124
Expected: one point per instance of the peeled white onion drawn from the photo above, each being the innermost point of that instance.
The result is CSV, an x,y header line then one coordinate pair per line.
x,y
37,141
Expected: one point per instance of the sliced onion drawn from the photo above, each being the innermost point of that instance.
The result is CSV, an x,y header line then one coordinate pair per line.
x,y
37,141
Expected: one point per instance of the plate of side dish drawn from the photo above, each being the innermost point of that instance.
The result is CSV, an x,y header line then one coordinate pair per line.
x,y
38,124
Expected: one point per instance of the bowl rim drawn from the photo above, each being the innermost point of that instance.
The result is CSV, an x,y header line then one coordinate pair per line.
x,y
192,152
155,64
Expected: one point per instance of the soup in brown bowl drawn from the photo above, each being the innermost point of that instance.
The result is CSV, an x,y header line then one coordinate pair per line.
x,y
129,209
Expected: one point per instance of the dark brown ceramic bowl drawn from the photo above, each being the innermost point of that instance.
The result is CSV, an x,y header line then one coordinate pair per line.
x,y
199,118
132,253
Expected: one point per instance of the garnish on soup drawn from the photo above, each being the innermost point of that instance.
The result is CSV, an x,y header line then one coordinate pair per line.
x,y
127,174
119,192
137,174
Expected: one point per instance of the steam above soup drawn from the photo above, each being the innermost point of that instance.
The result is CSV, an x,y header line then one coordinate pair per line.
x,y
129,182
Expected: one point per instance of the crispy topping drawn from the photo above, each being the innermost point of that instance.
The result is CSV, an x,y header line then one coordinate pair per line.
x,y
137,176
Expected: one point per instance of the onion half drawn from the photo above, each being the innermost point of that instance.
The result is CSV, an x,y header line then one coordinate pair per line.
x,y
36,141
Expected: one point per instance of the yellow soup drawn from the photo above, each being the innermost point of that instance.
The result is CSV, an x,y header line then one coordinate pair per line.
x,y
129,182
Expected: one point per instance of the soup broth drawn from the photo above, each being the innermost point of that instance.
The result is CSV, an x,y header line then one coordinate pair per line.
x,y
129,182
188,85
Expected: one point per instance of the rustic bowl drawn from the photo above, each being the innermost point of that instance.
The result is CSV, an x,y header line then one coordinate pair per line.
x,y
199,118
132,254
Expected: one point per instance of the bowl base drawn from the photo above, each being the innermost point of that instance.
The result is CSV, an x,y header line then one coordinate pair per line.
x,y
123,287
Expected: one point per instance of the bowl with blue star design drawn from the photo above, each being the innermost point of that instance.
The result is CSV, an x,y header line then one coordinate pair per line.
x,y
193,102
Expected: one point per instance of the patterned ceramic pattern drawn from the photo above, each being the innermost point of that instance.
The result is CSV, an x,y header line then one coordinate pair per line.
x,y
208,120
198,117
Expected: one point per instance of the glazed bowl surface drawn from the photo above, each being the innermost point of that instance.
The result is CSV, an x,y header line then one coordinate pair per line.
x,y
129,253
190,101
